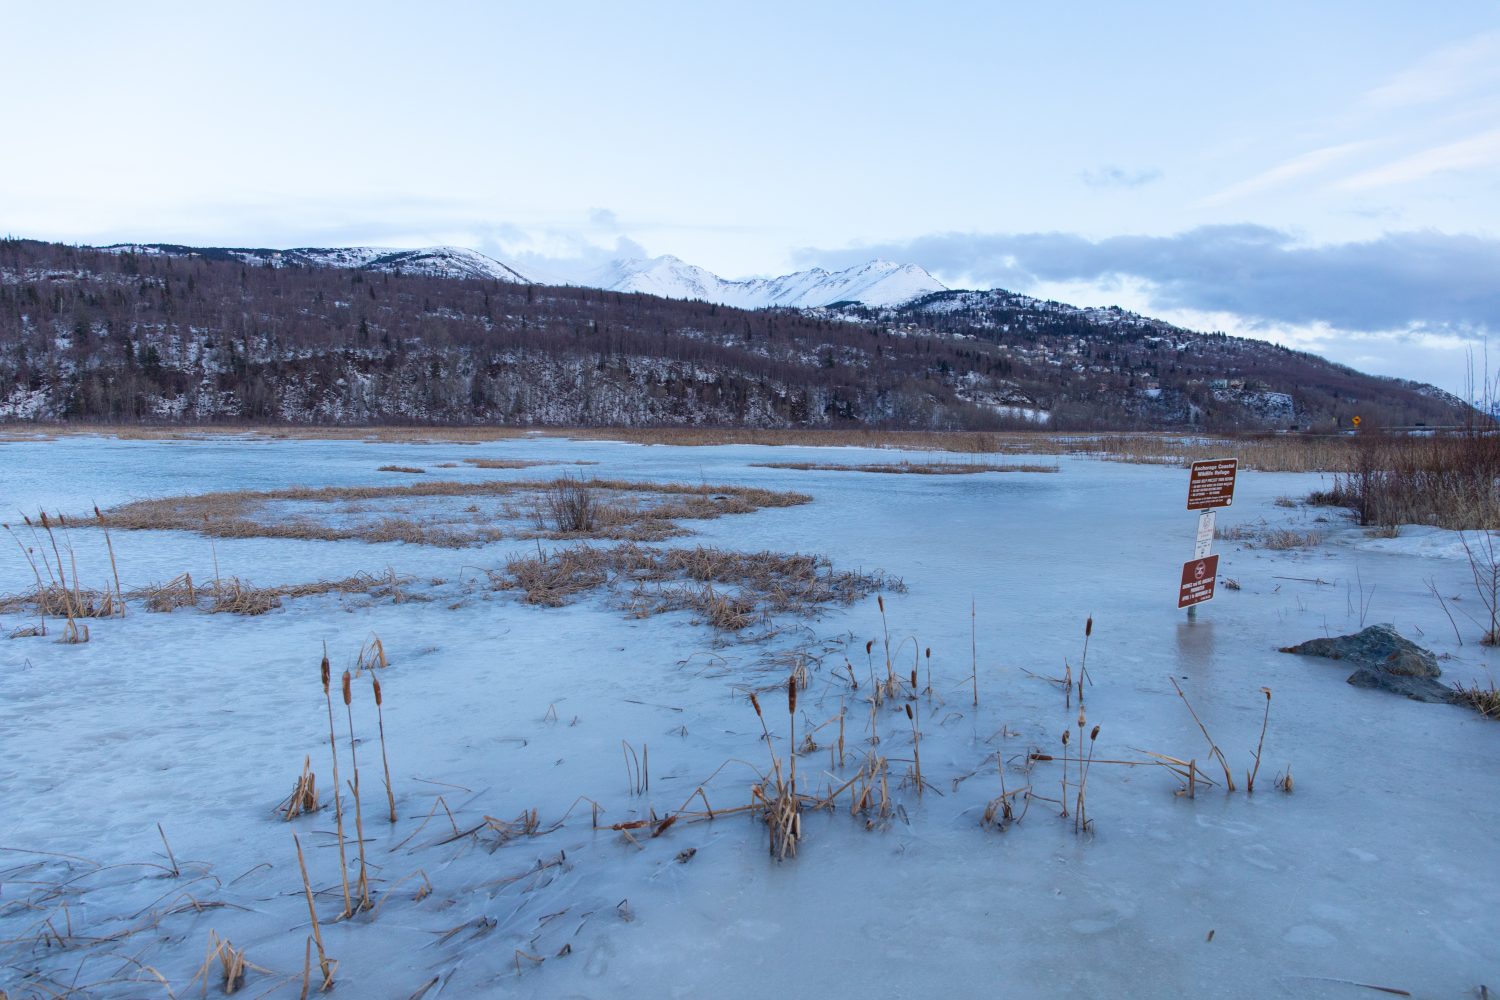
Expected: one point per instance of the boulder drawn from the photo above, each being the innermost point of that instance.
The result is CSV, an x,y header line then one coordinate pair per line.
x,y
1385,660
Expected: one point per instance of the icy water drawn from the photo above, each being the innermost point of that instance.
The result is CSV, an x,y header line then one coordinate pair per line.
x,y
1379,868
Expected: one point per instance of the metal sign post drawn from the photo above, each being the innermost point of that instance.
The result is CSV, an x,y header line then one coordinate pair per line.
x,y
1210,486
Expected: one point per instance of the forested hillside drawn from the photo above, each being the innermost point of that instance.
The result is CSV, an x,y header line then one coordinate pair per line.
x,y
124,336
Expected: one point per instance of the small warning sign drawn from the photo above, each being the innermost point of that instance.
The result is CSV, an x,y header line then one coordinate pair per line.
x,y
1212,484
1205,534
1198,577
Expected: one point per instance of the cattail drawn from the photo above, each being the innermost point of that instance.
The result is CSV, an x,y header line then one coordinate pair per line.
x,y
338,804
359,826
1250,778
755,703
1083,674
1080,821
1065,773
1081,720
878,600
908,713
913,680
869,645
390,795
791,695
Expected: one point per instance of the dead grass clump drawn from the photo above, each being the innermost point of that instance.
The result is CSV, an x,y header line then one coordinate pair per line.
x,y
725,611
178,592
304,797
238,598
912,468
1279,539
232,964
1485,701
504,463
412,469
1289,539
551,579
235,596
617,509
570,506
56,601
729,589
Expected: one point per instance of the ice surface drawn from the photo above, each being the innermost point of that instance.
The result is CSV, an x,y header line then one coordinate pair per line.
x,y
1379,868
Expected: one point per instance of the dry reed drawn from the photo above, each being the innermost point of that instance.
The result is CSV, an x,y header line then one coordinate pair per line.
x,y
338,804
1265,721
359,825
304,797
390,795
1213,748
325,964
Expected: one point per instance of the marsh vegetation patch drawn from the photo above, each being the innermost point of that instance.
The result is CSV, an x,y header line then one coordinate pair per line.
x,y
729,590
911,468
452,514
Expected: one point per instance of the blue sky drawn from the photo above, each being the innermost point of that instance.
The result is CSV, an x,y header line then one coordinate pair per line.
x,y
1324,175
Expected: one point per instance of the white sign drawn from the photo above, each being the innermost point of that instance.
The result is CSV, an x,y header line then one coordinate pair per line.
x,y
1205,535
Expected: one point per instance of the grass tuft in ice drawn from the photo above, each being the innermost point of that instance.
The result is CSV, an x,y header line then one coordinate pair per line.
x,y
729,590
1485,701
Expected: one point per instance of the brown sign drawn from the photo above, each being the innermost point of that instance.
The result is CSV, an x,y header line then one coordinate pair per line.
x,y
1212,484
1197,581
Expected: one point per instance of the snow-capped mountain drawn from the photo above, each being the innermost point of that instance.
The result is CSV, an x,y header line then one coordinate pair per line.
x,y
876,283
437,262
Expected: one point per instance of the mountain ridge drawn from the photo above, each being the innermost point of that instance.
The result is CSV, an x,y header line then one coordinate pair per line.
x,y
874,283
142,335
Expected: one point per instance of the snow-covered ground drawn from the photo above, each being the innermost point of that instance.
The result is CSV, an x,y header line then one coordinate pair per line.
x,y
1379,868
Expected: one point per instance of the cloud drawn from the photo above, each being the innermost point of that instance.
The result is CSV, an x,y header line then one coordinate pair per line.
x,y
1119,177
1417,280
1477,151
1449,72
604,218
1299,166
556,255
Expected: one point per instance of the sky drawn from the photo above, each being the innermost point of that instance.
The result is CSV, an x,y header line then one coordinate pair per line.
x,y
1326,176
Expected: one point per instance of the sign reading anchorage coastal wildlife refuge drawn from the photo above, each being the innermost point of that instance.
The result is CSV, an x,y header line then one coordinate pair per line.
x,y
1211,484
